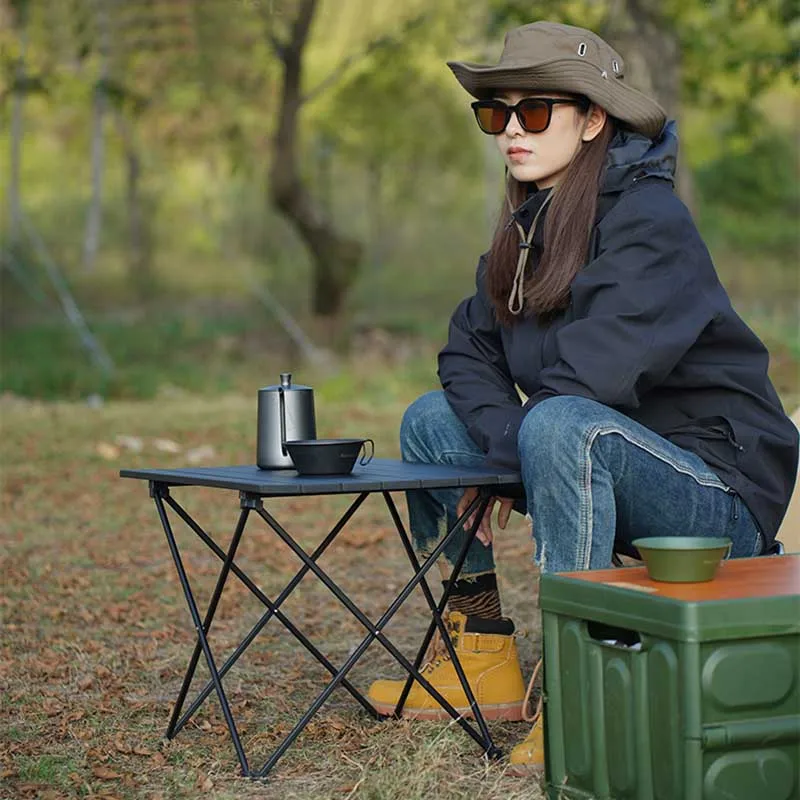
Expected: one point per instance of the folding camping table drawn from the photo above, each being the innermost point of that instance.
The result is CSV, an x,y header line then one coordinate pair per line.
x,y
254,485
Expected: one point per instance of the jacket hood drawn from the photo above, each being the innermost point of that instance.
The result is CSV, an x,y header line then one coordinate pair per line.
x,y
632,157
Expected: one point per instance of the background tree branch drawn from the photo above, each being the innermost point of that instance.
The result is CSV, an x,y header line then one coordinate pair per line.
x,y
385,40
335,257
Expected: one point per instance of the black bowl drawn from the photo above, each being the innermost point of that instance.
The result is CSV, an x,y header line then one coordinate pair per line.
x,y
328,456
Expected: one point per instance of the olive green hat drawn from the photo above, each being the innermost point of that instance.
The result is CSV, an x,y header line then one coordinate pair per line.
x,y
547,56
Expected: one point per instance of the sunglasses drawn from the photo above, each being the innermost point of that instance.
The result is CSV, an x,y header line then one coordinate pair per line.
x,y
534,113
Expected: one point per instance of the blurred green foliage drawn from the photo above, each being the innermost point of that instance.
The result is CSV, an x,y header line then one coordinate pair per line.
x,y
761,179
390,151
190,352
750,197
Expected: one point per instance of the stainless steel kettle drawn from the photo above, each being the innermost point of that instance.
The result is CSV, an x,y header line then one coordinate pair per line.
x,y
285,413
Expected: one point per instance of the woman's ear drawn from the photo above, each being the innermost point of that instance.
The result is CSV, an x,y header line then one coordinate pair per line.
x,y
595,120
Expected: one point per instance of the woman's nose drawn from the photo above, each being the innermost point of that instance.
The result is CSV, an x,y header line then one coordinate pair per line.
x,y
514,128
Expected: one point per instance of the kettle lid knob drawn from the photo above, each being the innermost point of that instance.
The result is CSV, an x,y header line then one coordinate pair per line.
x,y
286,379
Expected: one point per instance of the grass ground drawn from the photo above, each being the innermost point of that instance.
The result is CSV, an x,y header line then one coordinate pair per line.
x,y
96,634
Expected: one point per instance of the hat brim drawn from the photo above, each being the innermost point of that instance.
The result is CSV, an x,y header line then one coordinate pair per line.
x,y
576,76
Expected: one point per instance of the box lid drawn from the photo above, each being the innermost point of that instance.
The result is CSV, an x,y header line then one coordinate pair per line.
x,y
749,597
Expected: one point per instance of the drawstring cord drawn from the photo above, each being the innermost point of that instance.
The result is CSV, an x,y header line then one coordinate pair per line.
x,y
516,299
532,718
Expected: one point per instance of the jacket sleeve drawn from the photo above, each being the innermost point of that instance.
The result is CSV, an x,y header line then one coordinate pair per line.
x,y
476,378
637,308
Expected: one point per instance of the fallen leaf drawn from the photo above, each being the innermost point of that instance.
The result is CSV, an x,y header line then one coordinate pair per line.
x,y
107,451
132,443
52,707
166,446
105,774
34,789
203,453
28,787
86,615
360,537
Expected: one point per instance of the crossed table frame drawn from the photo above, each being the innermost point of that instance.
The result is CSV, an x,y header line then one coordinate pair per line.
x,y
379,476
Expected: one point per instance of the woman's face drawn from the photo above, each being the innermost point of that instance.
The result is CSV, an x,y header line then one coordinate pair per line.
x,y
542,158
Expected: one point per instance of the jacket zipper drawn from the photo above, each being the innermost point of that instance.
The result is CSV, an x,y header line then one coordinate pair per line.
x,y
734,503
716,432
730,437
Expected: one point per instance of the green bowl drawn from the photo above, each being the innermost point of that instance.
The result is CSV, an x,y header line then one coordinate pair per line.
x,y
682,559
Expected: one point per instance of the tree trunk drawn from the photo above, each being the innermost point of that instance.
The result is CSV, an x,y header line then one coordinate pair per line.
x,y
336,257
15,141
94,219
379,250
140,249
647,39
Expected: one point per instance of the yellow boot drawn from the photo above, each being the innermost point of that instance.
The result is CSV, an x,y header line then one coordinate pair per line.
x,y
487,652
528,756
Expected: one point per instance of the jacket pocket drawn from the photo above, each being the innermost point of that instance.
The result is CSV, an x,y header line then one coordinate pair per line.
x,y
712,438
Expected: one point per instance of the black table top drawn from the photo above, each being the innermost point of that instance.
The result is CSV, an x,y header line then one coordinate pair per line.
x,y
379,475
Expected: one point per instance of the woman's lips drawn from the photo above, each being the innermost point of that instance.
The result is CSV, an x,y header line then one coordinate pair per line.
x,y
517,153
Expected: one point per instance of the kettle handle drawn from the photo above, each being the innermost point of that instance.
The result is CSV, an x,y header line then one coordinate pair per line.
x,y
283,421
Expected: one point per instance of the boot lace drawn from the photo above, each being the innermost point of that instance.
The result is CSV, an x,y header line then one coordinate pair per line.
x,y
532,718
437,653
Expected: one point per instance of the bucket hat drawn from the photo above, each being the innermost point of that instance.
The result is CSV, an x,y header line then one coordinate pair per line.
x,y
548,56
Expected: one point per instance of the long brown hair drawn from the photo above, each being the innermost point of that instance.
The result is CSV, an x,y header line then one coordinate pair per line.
x,y
567,229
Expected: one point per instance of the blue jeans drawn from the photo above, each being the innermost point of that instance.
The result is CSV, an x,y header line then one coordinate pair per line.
x,y
592,476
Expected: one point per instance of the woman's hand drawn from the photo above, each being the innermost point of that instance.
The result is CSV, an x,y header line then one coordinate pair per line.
x,y
484,533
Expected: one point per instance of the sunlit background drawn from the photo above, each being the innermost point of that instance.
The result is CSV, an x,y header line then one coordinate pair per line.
x,y
150,245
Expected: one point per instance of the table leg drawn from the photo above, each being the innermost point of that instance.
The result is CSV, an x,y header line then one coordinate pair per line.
x,y
159,491
272,609
212,608
437,610
374,633
448,588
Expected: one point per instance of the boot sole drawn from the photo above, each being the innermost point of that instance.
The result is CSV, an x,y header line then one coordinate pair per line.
x,y
508,712
525,770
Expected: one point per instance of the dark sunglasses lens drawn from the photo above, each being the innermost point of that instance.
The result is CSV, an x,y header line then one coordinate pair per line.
x,y
534,115
491,117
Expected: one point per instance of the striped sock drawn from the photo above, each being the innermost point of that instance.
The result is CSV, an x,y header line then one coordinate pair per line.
x,y
476,597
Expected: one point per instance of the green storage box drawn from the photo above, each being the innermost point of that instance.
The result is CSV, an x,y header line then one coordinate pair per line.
x,y
664,691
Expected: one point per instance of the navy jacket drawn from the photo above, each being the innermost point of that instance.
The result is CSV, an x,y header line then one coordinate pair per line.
x,y
649,331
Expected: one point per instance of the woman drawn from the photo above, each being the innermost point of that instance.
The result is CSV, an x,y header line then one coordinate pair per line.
x,y
648,409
